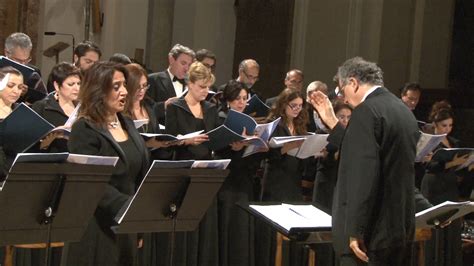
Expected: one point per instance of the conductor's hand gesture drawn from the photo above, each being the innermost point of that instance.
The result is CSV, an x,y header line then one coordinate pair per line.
x,y
323,106
359,249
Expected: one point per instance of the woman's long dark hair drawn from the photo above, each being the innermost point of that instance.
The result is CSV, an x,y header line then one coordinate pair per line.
x,y
135,73
278,110
95,87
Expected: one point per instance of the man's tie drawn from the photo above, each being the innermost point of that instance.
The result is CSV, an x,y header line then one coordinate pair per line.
x,y
179,80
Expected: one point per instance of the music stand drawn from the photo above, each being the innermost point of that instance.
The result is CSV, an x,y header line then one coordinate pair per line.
x,y
172,200
55,49
50,202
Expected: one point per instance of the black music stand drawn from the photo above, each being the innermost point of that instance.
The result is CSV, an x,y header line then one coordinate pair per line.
x,y
55,49
172,200
50,202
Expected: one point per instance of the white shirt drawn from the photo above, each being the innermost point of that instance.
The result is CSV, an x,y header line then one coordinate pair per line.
x,y
178,87
369,92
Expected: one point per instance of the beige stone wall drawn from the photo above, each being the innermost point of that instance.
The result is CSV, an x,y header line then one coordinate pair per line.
x,y
410,39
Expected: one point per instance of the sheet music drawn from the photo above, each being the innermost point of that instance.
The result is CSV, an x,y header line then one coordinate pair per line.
x,y
140,122
440,211
312,146
263,131
426,144
92,159
293,216
211,164
73,117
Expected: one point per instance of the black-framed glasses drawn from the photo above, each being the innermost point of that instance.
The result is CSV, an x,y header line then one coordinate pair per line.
x,y
340,92
250,77
295,107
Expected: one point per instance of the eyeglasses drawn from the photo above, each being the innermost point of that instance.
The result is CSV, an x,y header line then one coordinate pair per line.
x,y
340,93
295,107
211,67
21,61
144,87
250,77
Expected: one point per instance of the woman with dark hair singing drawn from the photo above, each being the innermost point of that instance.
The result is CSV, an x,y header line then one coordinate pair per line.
x,y
102,130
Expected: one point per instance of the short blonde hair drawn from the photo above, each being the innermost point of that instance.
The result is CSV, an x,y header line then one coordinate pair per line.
x,y
198,71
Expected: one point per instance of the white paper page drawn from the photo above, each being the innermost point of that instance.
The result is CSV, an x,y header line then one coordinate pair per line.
x,y
139,123
92,159
211,164
277,142
190,135
426,144
313,214
313,145
283,216
73,117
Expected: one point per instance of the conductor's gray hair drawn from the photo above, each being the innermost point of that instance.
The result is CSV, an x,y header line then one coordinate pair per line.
x,y
17,40
181,49
364,71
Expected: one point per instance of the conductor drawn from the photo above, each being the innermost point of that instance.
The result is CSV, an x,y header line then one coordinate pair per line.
x,y
373,208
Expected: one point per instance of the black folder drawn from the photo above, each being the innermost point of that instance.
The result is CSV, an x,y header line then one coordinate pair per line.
x,y
22,128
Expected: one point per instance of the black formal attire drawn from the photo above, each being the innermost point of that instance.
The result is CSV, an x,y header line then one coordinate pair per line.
x,y
281,183
326,177
161,89
99,245
201,246
439,185
49,109
236,226
374,195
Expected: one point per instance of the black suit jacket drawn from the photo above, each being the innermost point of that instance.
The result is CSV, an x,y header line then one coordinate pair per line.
x,y
374,195
161,89
88,138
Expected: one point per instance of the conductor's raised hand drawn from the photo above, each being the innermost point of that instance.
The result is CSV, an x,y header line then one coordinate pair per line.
x,y
358,247
323,106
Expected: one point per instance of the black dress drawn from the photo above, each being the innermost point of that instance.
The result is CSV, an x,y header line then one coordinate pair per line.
x,y
99,245
51,111
201,246
282,183
236,226
439,185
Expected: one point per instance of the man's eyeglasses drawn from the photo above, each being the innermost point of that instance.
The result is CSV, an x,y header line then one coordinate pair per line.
x,y
211,67
340,92
21,61
295,107
250,77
